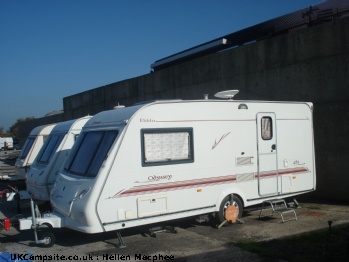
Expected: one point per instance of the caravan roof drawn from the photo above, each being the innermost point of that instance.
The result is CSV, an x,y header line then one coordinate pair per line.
x,y
114,117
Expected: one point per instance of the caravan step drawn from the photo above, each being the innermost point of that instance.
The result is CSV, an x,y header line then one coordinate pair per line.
x,y
278,206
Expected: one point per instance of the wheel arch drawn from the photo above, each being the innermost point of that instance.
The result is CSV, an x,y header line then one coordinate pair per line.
x,y
236,192
45,225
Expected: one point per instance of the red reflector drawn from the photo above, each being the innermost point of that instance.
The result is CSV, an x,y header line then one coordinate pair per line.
x,y
7,224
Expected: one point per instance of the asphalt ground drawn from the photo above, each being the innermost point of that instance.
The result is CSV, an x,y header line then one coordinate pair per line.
x,y
192,241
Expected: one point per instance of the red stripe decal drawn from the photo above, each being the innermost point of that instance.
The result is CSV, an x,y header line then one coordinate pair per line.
x,y
137,190
154,188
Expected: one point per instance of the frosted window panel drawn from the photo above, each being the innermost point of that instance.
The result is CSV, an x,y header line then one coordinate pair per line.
x,y
166,146
266,128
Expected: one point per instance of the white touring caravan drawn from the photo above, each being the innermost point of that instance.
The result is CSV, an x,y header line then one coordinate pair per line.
x,y
166,160
43,172
30,149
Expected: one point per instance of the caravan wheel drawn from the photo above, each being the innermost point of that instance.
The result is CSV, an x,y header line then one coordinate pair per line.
x,y
49,237
224,205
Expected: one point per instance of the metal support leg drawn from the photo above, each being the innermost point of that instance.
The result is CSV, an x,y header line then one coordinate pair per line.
x,y
34,226
121,242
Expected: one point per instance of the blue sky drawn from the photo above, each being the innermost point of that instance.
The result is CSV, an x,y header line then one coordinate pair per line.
x,y
53,49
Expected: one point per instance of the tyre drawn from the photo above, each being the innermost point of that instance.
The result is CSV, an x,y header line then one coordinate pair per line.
x,y
224,205
49,237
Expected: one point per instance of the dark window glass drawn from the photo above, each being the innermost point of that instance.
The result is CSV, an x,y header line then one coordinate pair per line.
x,y
89,152
26,148
49,148
101,154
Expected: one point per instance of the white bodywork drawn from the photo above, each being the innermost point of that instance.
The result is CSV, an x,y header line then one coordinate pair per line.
x,y
31,148
53,153
177,159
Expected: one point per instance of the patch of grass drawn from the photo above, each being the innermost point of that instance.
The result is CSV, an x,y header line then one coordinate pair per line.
x,y
315,246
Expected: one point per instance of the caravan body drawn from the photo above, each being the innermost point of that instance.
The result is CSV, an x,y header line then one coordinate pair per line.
x,y
166,160
31,148
53,153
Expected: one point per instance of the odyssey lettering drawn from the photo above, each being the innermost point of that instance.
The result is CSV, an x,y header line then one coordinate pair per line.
x,y
157,178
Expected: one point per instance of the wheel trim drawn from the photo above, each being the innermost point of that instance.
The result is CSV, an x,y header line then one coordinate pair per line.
x,y
228,203
47,240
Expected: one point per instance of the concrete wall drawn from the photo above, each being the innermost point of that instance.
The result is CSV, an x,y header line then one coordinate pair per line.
x,y
309,65
306,65
102,98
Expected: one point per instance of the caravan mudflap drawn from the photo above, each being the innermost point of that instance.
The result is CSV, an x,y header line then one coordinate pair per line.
x,y
38,221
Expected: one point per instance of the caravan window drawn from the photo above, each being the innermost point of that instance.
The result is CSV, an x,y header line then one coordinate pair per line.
x,y
167,146
49,148
89,152
26,148
266,128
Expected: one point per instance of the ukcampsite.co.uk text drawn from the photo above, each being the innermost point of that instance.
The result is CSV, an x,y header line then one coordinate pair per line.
x,y
104,257
138,257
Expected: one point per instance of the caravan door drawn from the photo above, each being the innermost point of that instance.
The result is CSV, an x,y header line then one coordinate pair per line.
x,y
267,154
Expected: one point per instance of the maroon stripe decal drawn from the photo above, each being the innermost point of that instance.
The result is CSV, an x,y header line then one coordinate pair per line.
x,y
176,185
206,120
153,188
286,171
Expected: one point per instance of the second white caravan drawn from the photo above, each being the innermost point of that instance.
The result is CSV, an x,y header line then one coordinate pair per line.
x,y
51,157
166,160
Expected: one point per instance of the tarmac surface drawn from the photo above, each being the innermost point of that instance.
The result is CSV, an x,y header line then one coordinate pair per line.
x,y
192,241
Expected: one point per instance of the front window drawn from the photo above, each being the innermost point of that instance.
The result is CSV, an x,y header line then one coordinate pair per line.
x,y
89,152
26,148
49,148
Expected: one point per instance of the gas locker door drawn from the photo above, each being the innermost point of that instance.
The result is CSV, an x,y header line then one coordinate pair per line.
x,y
267,154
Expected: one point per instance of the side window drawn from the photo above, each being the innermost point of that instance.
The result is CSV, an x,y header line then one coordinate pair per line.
x,y
167,146
267,128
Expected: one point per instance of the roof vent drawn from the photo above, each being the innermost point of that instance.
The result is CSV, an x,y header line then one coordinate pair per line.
x,y
118,106
228,94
